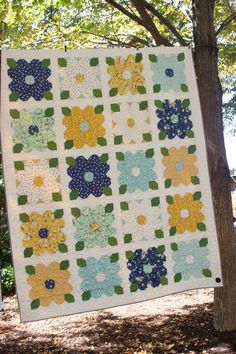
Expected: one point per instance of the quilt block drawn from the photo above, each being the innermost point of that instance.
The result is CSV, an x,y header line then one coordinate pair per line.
x,y
107,185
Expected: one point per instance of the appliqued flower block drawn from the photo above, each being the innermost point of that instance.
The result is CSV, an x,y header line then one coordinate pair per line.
x,y
100,277
33,130
84,127
94,227
147,268
168,72
126,75
43,233
136,171
141,220
185,213
89,176
49,284
180,166
190,260
29,79
79,78
174,119
131,122
38,181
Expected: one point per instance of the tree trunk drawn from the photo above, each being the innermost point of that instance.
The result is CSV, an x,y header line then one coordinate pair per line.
x,y
211,103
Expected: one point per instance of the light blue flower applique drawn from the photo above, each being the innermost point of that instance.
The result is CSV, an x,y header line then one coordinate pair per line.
x,y
190,259
168,72
136,171
94,226
99,276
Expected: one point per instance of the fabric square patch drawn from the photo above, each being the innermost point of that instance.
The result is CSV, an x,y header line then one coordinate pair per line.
x,y
136,171
37,181
126,75
168,72
147,268
190,260
185,213
49,284
33,130
89,176
84,126
141,220
100,277
94,227
173,119
131,123
79,78
43,233
180,166
29,79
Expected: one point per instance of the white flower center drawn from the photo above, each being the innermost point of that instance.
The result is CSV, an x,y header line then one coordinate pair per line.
x,y
29,80
127,74
179,166
84,127
135,171
100,277
190,259
174,119
184,213
147,268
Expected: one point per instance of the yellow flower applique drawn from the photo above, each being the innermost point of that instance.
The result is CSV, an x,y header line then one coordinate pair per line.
x,y
84,126
49,284
126,75
180,166
185,213
43,233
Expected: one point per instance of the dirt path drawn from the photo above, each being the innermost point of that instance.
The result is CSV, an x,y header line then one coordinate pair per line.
x,y
179,323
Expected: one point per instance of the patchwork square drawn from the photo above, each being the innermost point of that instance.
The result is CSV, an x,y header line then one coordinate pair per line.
x,y
141,220
94,227
136,171
126,75
84,126
37,181
131,123
79,78
33,130
89,176
100,277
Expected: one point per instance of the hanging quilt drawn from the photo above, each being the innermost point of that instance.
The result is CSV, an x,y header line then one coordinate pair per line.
x,y
107,185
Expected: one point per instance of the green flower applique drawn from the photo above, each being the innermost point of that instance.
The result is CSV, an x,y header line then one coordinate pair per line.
x,y
33,130
94,227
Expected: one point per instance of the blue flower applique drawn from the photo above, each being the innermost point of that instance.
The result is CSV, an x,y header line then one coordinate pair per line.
x,y
29,79
89,176
146,268
100,276
136,171
168,72
174,119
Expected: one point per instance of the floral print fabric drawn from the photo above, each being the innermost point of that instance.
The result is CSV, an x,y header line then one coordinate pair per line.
x,y
106,178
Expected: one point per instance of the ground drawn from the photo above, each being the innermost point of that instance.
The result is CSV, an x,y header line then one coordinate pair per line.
x,y
181,323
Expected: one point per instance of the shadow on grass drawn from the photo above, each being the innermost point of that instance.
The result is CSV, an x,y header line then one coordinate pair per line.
x,y
103,332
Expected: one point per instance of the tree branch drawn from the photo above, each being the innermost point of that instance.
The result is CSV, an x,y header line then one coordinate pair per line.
x,y
164,20
139,20
225,23
159,39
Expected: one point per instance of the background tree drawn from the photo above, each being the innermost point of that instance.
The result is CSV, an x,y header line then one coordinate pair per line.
x,y
205,25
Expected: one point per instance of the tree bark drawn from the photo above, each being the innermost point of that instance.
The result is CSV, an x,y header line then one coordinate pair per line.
x,y
205,54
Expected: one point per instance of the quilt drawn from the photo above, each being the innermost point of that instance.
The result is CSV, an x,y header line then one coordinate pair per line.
x,y
106,176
